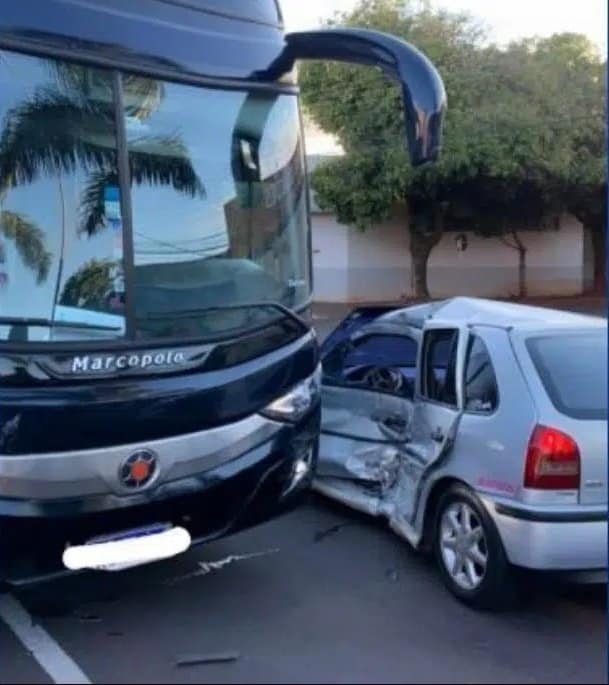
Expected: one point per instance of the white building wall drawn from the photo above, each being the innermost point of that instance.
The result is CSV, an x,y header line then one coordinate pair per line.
x,y
555,260
330,259
489,268
351,266
379,262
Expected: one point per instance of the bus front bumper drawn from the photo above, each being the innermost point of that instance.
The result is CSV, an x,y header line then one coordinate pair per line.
x,y
221,492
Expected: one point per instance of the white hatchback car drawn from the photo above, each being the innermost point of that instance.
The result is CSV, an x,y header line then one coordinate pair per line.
x,y
479,430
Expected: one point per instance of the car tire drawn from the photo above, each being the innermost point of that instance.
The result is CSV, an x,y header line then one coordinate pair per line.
x,y
469,552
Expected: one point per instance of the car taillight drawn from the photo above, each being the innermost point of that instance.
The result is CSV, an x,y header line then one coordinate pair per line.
x,y
552,461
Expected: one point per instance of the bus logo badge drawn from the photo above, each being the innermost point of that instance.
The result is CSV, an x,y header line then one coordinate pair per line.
x,y
138,469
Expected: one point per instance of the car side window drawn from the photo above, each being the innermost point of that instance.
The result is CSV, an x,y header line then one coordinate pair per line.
x,y
480,382
380,362
439,380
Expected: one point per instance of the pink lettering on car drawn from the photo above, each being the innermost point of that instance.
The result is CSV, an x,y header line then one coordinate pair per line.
x,y
497,485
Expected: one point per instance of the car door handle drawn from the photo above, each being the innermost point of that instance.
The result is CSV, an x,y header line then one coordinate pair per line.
x,y
396,422
437,435
394,426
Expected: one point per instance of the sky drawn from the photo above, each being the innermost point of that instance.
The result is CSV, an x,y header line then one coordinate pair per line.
x,y
505,20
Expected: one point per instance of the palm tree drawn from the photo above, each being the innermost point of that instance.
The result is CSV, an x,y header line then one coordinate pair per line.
x,y
29,241
61,128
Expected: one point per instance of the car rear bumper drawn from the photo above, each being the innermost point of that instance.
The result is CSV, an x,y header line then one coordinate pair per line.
x,y
553,540
231,495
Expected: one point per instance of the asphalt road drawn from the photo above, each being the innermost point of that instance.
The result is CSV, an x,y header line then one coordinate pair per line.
x,y
321,595
331,597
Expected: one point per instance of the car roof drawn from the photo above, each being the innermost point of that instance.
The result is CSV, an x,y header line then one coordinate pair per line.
x,y
483,312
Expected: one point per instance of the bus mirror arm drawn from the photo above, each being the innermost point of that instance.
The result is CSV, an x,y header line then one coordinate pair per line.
x,y
422,86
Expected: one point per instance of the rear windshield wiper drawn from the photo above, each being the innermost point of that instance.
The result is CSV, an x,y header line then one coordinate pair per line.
x,y
28,321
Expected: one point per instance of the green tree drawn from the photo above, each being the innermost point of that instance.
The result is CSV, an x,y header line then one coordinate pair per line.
x,y
573,77
507,147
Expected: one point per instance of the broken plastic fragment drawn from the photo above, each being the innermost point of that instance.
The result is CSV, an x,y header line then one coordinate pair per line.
x,y
392,575
88,618
198,659
320,536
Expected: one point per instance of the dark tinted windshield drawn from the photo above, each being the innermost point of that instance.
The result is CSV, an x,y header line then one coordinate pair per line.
x,y
229,225
57,136
219,214
573,369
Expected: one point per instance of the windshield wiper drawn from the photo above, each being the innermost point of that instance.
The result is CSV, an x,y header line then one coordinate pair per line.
x,y
188,313
205,310
29,321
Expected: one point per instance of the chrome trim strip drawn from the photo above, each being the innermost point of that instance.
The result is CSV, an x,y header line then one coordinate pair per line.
x,y
84,473
584,516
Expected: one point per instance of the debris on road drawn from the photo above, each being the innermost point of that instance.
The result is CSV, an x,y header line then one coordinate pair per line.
x,y
201,659
88,618
206,567
392,575
320,536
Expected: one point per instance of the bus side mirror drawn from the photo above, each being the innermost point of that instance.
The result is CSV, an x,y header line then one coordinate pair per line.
x,y
421,84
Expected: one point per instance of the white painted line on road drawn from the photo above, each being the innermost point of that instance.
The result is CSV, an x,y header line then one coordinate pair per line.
x,y
60,667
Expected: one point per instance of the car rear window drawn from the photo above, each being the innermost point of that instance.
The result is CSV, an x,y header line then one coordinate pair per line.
x,y
573,370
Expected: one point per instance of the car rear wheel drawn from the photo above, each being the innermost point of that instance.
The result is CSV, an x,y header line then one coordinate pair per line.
x,y
469,551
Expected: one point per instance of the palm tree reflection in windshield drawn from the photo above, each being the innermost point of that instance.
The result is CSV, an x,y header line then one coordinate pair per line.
x,y
68,127
29,241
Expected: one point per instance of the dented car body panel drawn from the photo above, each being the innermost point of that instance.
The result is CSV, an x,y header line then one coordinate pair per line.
x,y
455,403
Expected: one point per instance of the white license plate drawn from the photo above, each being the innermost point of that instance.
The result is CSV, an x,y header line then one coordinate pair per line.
x,y
128,548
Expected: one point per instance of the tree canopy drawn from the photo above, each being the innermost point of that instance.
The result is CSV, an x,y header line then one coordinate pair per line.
x,y
523,139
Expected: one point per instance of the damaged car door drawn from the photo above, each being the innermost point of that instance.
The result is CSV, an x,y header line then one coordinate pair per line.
x,y
391,405
369,383
437,410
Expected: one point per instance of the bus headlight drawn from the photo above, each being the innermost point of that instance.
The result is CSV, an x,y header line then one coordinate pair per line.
x,y
296,403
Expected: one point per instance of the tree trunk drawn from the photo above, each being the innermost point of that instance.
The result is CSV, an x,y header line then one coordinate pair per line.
x,y
591,212
599,242
421,244
522,265
522,272
521,248
420,255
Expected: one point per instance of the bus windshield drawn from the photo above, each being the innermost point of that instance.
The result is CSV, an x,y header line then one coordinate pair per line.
x,y
217,206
